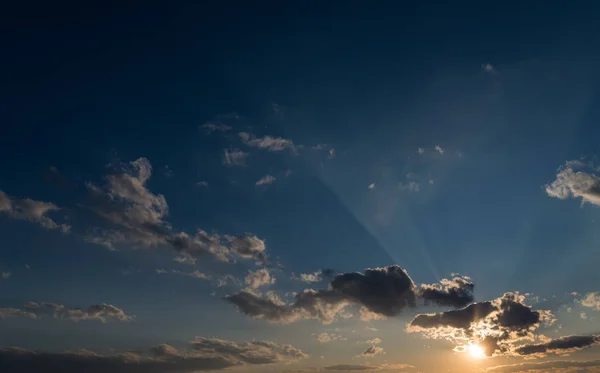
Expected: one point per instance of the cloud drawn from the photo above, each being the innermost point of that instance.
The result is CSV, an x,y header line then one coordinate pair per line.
x,y
412,186
488,68
591,300
561,366
15,312
234,157
560,345
203,354
360,367
439,149
5,275
420,150
374,341
495,325
273,144
371,186
570,183
326,337
202,184
373,351
265,180
194,274
210,127
100,312
260,277
138,218
455,292
315,276
385,291
30,210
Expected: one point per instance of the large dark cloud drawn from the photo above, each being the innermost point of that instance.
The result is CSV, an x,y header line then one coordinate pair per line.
x,y
560,345
137,217
495,325
203,354
385,291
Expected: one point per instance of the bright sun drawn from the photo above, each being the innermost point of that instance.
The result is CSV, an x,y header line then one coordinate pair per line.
x,y
476,351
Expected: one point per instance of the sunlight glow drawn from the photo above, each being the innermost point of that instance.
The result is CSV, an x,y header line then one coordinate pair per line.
x,y
476,351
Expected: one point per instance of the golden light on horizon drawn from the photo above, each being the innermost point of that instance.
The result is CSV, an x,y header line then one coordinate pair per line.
x,y
476,351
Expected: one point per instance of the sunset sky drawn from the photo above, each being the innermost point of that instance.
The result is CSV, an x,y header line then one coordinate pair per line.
x,y
300,187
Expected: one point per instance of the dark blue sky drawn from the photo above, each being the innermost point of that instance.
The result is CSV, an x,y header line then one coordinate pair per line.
x,y
282,138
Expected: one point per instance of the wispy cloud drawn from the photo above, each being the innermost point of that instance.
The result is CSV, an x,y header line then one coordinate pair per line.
x,y
488,68
439,149
5,275
101,312
326,337
203,354
266,180
31,210
371,186
591,300
269,143
234,157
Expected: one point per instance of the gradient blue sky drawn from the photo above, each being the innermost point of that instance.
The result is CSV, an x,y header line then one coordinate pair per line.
x,y
420,134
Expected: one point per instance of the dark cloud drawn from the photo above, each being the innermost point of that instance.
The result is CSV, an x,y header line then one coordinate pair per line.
x,y
381,292
373,351
495,325
138,218
31,210
560,345
457,292
204,354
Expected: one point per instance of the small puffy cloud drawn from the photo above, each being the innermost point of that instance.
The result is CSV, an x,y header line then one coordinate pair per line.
x,y
560,345
326,337
160,271
583,315
313,277
488,68
366,315
269,143
247,246
373,351
260,277
439,149
31,210
5,275
591,300
202,354
265,180
331,153
420,150
202,184
371,186
234,157
570,183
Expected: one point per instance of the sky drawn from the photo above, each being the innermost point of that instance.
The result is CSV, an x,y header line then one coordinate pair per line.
x,y
300,187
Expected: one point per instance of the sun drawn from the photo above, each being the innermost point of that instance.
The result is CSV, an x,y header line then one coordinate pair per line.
x,y
476,351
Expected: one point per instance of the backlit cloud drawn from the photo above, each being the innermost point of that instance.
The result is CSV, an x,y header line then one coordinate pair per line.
x,y
495,325
591,300
385,291
373,351
101,312
326,337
